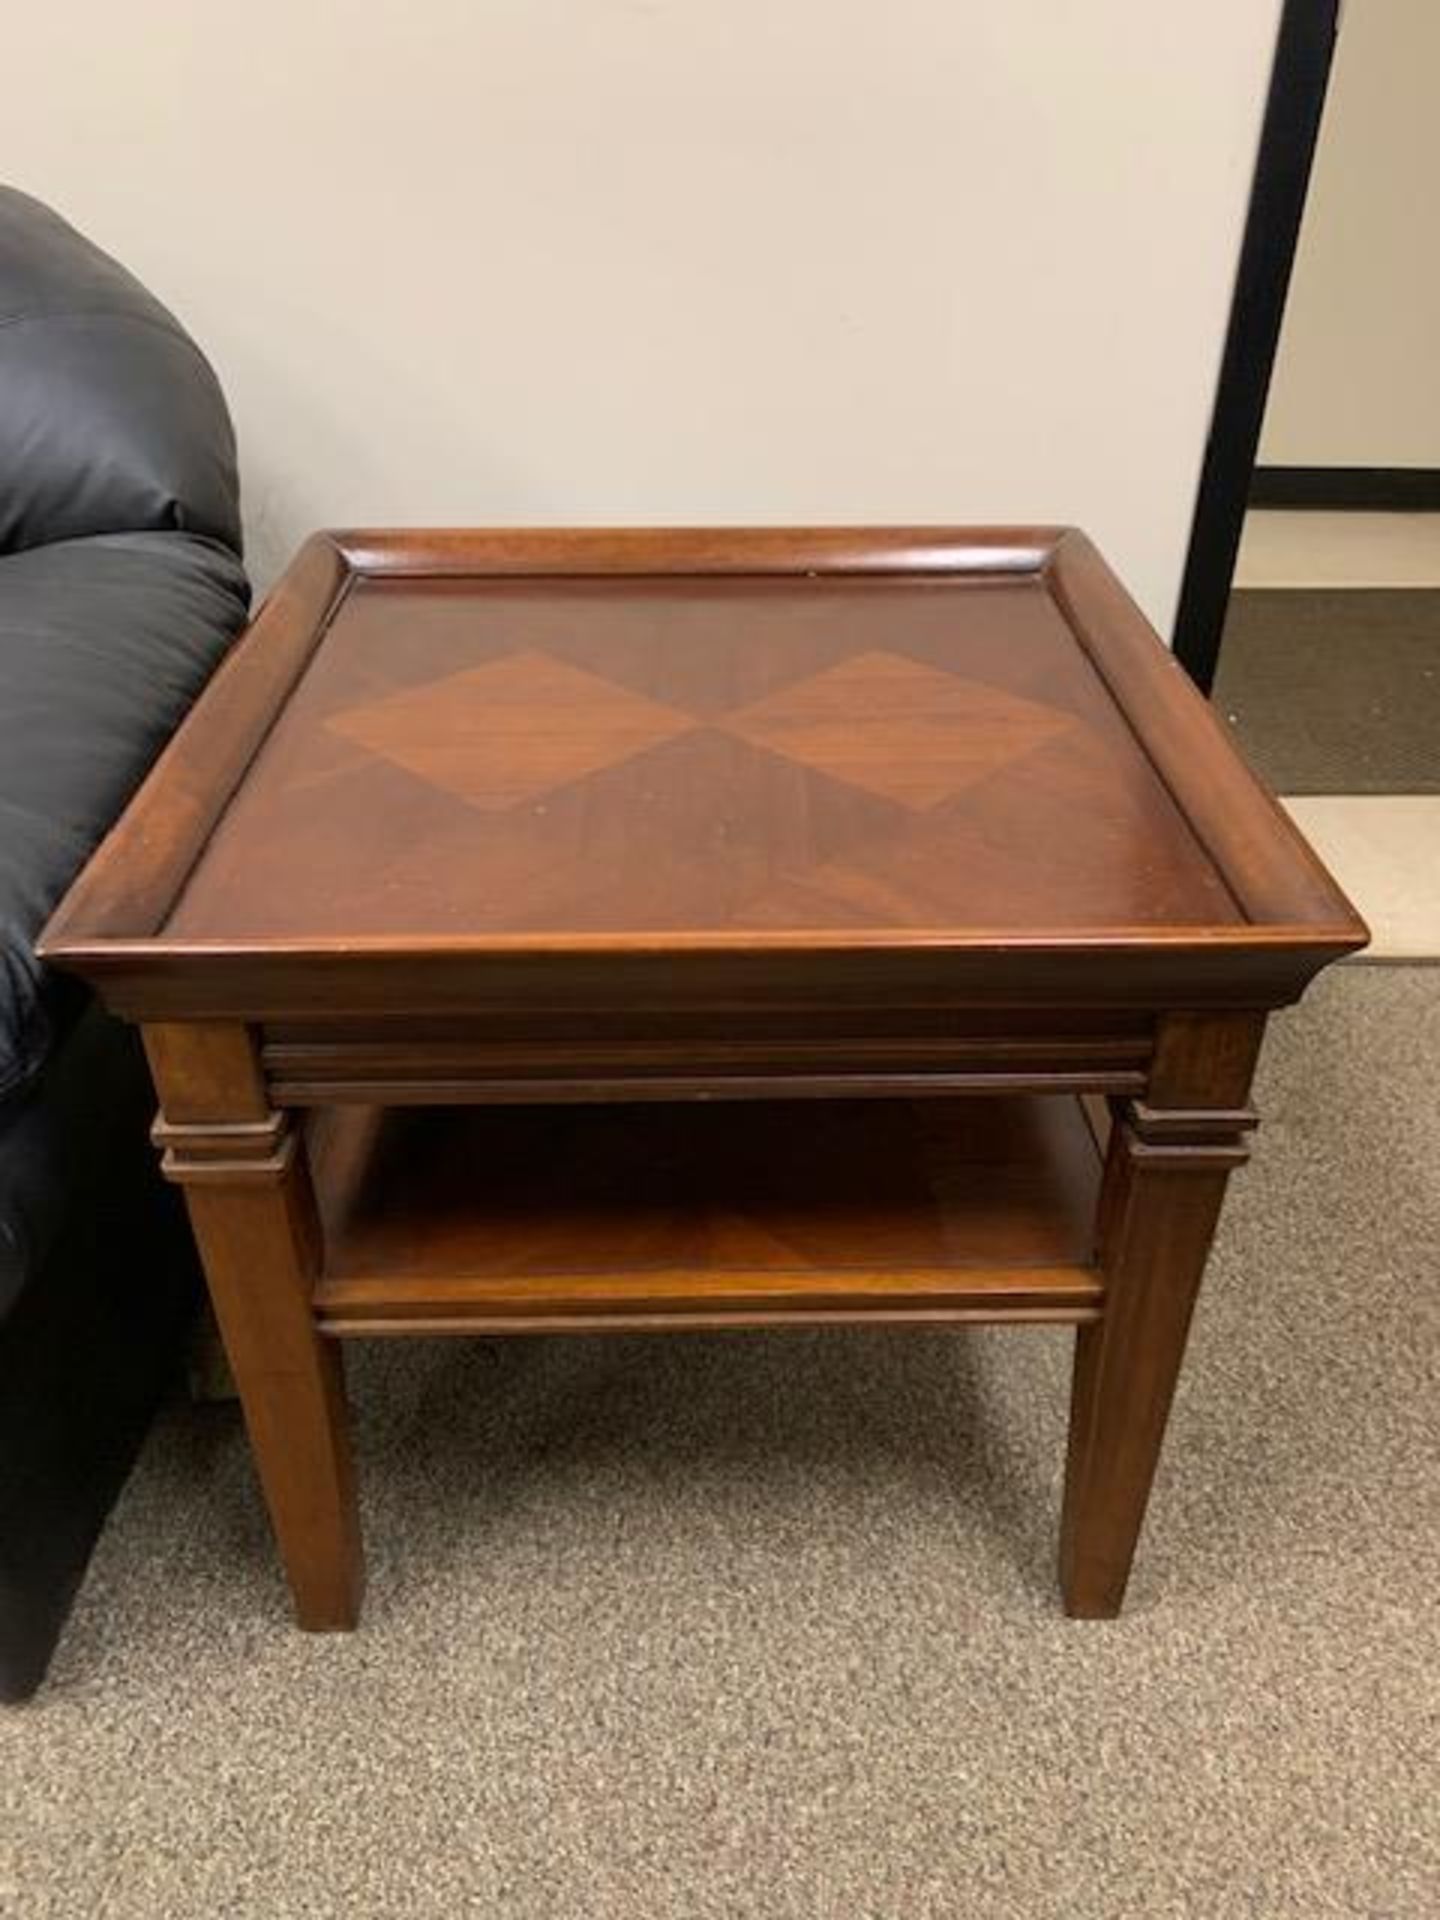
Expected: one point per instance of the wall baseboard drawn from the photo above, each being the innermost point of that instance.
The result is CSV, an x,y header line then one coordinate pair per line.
x,y
1352,489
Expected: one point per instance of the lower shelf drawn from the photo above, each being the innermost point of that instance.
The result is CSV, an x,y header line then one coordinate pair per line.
x,y
731,1214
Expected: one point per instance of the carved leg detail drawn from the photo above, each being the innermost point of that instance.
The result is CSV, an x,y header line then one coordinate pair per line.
x,y
248,1191
1165,1179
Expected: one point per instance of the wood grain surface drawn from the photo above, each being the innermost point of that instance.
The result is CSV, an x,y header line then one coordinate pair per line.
x,y
773,1211
925,761
498,903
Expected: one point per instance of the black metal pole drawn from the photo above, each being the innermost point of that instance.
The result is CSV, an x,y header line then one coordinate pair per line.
x,y
1303,51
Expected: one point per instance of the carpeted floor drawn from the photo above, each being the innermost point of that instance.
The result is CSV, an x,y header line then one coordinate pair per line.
x,y
765,1625
1335,690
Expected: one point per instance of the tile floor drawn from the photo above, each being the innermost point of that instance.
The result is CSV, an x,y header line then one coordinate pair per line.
x,y
1383,848
1311,549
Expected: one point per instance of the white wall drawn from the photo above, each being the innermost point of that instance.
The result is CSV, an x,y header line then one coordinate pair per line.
x,y
676,260
1357,377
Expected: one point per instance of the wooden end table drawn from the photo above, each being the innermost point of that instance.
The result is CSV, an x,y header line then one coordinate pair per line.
x,y
566,930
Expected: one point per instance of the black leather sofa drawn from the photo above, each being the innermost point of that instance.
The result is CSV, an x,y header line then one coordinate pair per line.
x,y
120,588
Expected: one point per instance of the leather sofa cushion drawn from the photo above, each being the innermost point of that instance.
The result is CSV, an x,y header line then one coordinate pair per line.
x,y
78,1129
104,643
111,419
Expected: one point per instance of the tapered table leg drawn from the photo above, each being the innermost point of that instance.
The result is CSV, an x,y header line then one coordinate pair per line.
x,y
248,1191
1169,1160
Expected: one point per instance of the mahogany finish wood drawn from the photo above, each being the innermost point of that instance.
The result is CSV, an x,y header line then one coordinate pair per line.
x,y
617,1215
482,846
250,1201
1165,1177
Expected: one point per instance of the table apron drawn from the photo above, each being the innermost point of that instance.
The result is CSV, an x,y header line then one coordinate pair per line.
x,y
323,1072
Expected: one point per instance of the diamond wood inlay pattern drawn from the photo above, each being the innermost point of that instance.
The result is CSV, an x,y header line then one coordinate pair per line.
x,y
528,724
652,756
510,729
910,732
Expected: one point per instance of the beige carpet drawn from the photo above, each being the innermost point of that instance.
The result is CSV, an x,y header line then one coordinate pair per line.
x,y
765,1625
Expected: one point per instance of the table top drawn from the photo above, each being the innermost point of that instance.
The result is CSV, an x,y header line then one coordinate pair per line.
x,y
459,745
